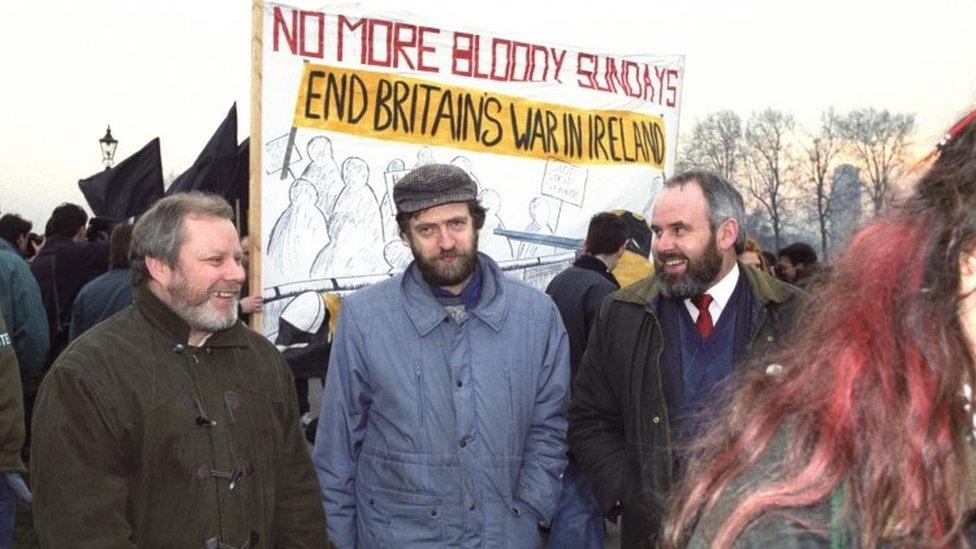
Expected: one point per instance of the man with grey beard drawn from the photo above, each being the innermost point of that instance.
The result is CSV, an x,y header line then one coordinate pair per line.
x,y
661,349
171,424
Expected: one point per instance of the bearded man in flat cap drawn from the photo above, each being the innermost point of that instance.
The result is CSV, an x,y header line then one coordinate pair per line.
x,y
443,419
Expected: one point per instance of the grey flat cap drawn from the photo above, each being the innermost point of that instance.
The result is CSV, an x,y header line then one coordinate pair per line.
x,y
433,185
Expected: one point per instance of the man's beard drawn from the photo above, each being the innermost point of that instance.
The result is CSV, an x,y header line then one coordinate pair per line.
x,y
700,272
447,275
196,309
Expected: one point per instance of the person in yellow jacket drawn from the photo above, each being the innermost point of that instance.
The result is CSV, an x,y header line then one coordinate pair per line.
x,y
635,263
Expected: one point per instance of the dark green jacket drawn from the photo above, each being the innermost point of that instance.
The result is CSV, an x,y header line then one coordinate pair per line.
x,y
11,406
803,528
142,440
619,425
822,525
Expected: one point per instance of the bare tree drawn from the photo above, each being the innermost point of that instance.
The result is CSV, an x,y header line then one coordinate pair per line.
x,y
716,145
821,151
768,161
879,141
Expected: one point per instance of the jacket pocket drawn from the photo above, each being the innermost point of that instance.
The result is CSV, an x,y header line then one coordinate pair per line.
x,y
404,519
523,528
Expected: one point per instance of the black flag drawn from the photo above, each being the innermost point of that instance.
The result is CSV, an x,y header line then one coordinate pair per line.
x,y
129,188
215,167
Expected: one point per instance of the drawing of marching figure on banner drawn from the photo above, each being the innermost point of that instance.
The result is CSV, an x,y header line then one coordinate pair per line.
x,y
395,169
497,246
323,172
301,221
561,183
541,223
550,135
357,225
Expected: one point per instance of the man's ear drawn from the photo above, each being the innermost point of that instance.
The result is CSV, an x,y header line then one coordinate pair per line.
x,y
159,270
727,234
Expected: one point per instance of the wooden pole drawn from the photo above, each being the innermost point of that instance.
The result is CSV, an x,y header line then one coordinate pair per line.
x,y
254,184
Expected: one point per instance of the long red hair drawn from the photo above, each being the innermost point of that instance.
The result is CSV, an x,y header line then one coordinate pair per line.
x,y
870,387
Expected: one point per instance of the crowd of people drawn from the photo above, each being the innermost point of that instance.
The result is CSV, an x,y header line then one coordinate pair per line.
x,y
733,397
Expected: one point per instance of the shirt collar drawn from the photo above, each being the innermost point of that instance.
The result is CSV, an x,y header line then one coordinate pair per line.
x,y
721,292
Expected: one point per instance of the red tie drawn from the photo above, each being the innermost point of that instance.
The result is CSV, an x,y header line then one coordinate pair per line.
x,y
704,322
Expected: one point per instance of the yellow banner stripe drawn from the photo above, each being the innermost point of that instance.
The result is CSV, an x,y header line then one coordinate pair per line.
x,y
412,110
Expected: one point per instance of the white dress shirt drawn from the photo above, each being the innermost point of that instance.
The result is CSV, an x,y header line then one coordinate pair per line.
x,y
721,292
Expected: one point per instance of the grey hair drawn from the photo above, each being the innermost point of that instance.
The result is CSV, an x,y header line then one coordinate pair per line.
x,y
159,232
724,202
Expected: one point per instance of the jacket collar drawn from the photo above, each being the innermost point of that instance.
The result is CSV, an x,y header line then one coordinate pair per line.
x,y
764,287
426,313
175,328
595,264
53,244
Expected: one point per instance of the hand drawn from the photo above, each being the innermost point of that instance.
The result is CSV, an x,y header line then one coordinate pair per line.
x,y
251,304
18,487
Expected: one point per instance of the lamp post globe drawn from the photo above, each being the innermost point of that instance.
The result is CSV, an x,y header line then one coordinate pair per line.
x,y
108,145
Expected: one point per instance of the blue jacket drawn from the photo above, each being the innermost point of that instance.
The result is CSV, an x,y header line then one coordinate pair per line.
x,y
20,303
101,298
434,433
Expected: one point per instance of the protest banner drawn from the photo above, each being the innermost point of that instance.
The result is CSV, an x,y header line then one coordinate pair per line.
x,y
351,99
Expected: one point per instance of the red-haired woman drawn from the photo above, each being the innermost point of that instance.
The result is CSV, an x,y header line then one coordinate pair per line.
x,y
861,434
752,255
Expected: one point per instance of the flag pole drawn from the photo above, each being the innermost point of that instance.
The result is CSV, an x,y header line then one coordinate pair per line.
x,y
254,162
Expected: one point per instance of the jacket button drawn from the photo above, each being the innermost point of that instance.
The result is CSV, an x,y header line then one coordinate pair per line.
x,y
433,512
459,383
471,506
769,338
464,443
203,472
179,348
656,419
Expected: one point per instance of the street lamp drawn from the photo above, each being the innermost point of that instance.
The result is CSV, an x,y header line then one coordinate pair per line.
x,y
108,144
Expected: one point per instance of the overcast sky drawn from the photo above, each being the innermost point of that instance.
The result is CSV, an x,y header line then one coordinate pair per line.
x,y
172,69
